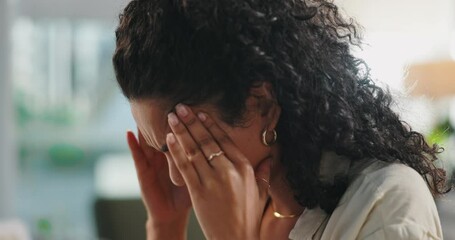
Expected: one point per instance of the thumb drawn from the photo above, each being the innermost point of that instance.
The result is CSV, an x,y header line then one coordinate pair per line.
x,y
138,155
174,173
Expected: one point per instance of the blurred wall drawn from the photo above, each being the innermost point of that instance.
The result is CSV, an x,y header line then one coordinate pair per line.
x,y
403,15
400,33
7,148
99,9
429,23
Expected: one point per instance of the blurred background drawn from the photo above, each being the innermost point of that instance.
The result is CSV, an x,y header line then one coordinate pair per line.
x,y
65,171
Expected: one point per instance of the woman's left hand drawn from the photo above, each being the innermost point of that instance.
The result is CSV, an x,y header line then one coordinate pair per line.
x,y
227,199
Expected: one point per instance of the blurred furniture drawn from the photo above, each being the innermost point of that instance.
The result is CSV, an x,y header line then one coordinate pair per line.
x,y
433,79
13,230
125,219
436,80
120,219
118,209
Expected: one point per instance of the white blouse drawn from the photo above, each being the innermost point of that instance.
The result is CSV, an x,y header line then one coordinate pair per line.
x,y
385,201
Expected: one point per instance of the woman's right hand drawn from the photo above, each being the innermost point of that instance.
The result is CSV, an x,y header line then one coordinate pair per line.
x,y
167,205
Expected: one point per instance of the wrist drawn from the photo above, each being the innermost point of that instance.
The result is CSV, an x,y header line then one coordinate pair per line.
x,y
174,230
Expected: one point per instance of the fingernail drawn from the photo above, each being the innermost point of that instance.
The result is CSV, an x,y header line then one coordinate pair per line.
x,y
172,119
170,138
202,116
182,111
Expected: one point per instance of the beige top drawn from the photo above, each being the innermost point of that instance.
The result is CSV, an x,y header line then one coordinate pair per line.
x,y
385,201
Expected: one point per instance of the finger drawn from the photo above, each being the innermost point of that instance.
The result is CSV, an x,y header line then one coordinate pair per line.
x,y
222,138
174,173
202,137
140,160
148,151
185,167
190,147
146,173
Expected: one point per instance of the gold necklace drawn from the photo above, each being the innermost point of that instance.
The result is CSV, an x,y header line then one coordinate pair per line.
x,y
279,215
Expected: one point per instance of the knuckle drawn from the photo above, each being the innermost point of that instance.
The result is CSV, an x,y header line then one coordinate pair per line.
x,y
209,124
179,129
197,190
210,184
244,167
205,141
191,121
192,153
224,139
229,174
247,169
183,165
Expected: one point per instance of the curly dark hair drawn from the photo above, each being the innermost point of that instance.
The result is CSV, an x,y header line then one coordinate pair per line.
x,y
192,51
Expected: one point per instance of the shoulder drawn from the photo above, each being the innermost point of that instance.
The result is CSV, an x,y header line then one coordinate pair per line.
x,y
396,188
387,199
381,182
396,179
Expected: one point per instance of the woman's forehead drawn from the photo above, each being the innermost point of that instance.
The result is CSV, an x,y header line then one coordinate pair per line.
x,y
151,119
145,114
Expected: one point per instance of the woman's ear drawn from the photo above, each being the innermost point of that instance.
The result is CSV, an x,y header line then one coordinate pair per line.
x,y
273,115
267,103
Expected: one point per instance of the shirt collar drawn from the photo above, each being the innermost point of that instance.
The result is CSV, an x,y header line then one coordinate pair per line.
x,y
310,225
312,222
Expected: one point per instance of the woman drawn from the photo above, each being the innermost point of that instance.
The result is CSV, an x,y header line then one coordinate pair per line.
x,y
257,115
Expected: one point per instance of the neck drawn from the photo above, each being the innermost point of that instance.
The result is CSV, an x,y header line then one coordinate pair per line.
x,y
282,200
275,228
282,197
286,209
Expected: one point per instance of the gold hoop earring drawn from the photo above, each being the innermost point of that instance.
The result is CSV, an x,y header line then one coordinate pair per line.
x,y
264,137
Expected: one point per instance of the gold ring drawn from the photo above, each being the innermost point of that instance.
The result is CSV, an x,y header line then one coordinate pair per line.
x,y
214,155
